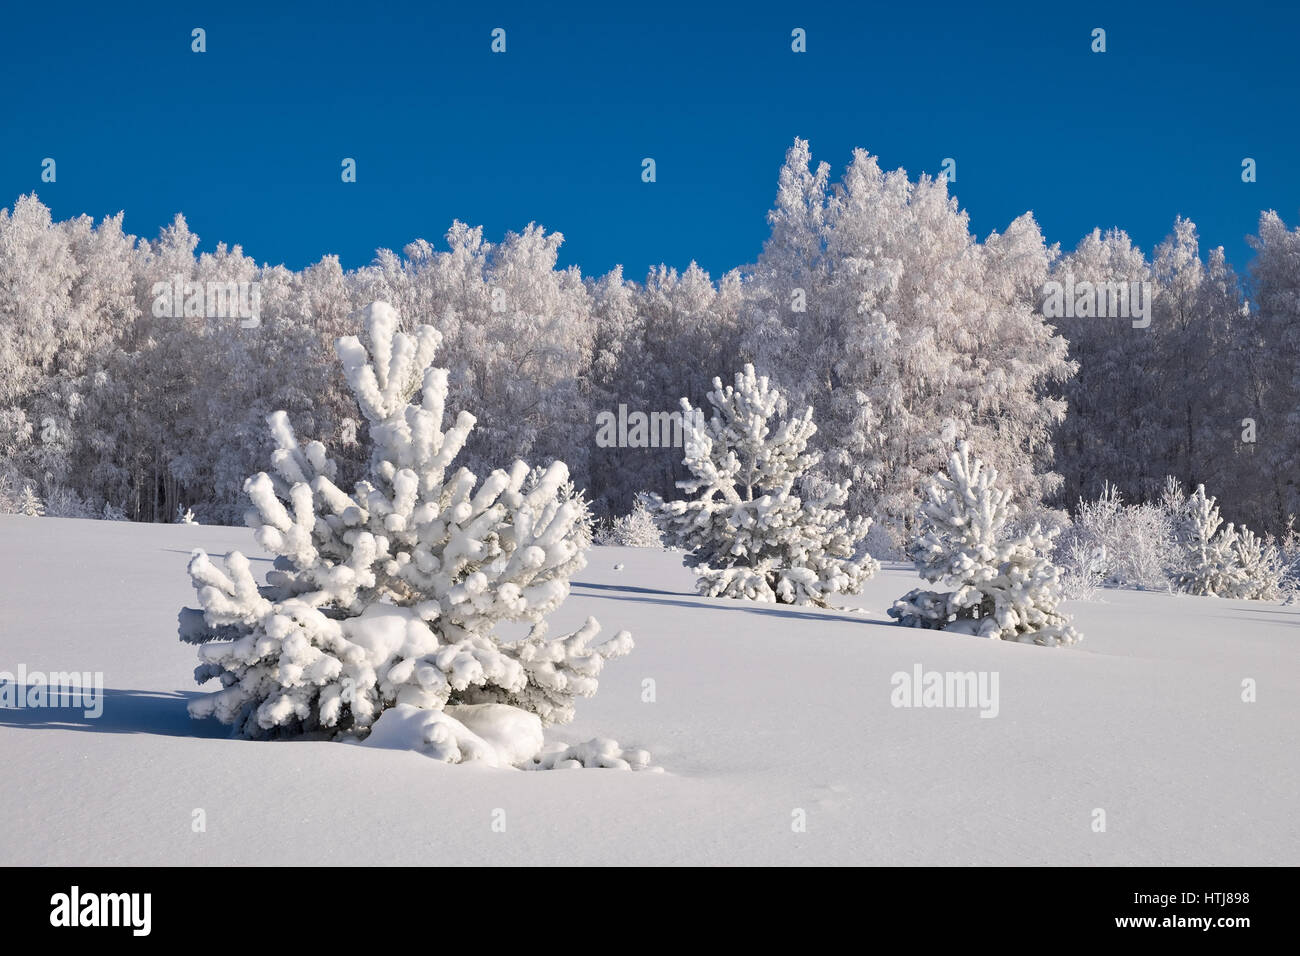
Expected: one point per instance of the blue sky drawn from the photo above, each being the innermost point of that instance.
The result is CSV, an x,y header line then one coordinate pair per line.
x,y
246,139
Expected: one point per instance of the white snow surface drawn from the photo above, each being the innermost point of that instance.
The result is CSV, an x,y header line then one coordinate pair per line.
x,y
758,711
497,734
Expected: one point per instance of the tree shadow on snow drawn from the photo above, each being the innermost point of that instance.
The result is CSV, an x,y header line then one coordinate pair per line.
x,y
728,604
1280,611
632,588
1289,617
161,713
213,554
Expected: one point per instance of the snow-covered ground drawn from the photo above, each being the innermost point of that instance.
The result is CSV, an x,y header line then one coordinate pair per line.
x,y
759,712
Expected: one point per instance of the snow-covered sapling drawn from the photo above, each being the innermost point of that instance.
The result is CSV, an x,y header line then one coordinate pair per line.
x,y
757,529
1263,568
30,504
380,618
995,585
637,528
1210,559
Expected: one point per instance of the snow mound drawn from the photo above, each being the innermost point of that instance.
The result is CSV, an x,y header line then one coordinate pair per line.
x,y
497,735
597,752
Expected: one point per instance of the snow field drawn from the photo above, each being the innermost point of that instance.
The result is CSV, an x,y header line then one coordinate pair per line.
x,y
759,711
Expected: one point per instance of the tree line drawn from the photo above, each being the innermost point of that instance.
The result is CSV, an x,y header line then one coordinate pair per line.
x,y
871,301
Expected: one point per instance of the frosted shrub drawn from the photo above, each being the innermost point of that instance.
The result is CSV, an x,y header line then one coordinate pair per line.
x,y
1147,548
63,502
1138,542
1178,541
1083,569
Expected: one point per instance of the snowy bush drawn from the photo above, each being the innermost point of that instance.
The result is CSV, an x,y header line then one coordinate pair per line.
x,y
63,502
1083,569
1145,549
1177,541
380,618
19,497
1129,545
185,515
755,531
1000,586
636,529
29,503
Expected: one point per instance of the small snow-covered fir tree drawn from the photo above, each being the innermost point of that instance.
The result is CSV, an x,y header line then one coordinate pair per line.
x,y
380,618
1289,556
185,515
756,530
29,503
1223,560
1000,586
637,528
1262,567
1210,555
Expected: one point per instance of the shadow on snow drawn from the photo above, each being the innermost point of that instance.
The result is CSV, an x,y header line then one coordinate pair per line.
x,y
843,616
161,713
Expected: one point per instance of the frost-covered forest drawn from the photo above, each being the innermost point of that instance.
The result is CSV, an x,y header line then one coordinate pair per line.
x,y
871,302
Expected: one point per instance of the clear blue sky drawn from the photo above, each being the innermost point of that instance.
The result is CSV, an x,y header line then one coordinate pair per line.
x,y
246,139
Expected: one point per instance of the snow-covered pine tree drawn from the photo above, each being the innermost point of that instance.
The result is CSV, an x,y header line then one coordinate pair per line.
x,y
29,503
1210,558
1001,587
637,528
756,530
185,515
387,601
1263,569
